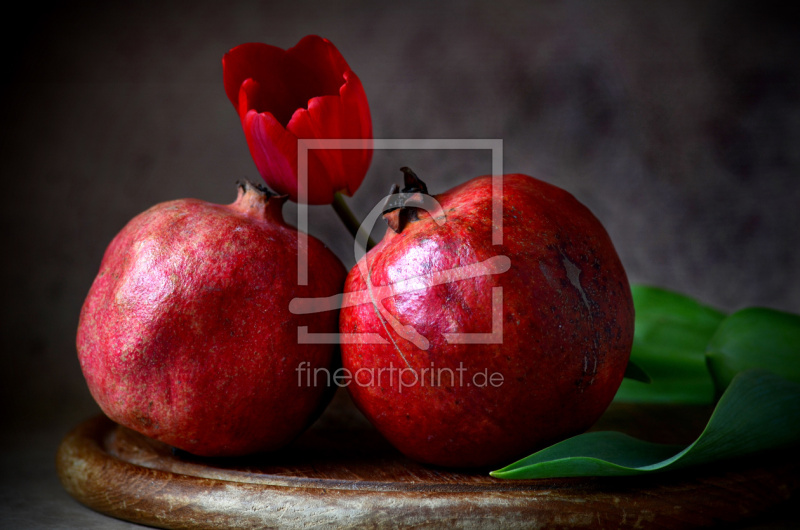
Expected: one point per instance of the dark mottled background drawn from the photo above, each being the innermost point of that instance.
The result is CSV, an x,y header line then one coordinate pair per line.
x,y
676,122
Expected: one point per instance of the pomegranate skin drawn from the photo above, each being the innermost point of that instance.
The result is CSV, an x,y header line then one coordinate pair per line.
x,y
186,334
565,311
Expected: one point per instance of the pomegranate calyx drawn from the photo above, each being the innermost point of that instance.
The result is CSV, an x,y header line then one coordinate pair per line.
x,y
402,207
245,184
412,182
256,200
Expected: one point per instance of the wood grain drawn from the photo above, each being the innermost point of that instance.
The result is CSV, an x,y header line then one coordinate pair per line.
x,y
343,473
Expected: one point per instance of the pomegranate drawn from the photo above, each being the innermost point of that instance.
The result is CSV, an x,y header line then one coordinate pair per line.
x,y
186,334
465,353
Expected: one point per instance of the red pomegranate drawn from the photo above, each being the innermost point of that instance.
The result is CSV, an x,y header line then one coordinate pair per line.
x,y
186,334
465,353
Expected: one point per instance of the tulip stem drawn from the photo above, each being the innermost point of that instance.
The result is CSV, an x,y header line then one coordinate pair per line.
x,y
348,218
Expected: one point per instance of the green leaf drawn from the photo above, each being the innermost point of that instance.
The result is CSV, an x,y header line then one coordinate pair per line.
x,y
755,337
634,371
760,410
670,337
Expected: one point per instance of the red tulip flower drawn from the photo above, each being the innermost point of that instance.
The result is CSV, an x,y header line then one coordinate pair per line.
x,y
305,92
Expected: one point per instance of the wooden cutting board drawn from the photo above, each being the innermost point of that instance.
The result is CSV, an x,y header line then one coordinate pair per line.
x,y
342,473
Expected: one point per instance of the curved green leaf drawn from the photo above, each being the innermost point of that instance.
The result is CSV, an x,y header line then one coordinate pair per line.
x,y
760,410
670,337
634,371
755,337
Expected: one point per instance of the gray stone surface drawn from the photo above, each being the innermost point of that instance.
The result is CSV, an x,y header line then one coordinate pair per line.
x,y
677,123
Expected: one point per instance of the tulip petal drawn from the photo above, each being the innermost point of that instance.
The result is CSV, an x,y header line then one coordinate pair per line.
x,y
311,124
248,61
274,151
320,56
331,118
358,125
309,92
285,83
